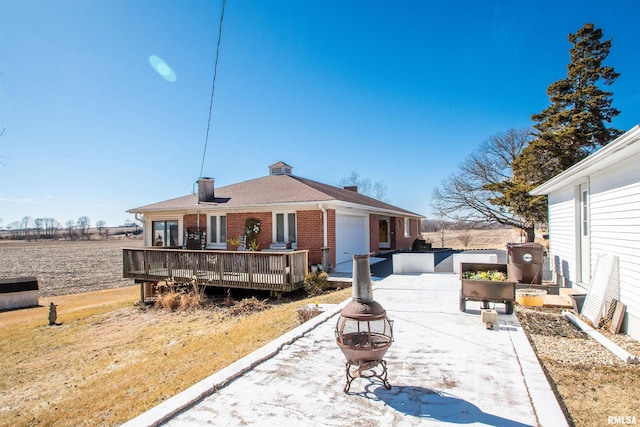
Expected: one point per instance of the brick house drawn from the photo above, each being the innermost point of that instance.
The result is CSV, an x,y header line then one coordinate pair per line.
x,y
285,212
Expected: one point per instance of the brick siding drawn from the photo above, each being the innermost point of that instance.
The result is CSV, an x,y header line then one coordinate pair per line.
x,y
309,228
190,222
236,227
374,233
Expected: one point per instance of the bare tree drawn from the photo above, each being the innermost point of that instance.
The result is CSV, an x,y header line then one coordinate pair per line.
x,y
465,238
466,196
15,229
51,227
71,229
38,225
26,225
83,226
376,190
100,225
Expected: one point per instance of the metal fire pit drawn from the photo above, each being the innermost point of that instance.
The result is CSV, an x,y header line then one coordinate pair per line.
x,y
363,330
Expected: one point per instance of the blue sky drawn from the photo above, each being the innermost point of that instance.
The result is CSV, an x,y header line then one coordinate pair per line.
x,y
399,92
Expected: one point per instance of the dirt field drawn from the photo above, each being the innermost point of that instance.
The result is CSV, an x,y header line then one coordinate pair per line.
x,y
64,267
134,358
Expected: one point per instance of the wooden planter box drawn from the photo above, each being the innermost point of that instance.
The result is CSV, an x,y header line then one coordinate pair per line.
x,y
486,291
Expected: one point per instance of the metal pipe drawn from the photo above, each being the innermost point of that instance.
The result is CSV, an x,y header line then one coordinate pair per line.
x,y
361,288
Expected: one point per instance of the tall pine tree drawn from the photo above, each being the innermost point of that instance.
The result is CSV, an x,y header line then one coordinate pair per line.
x,y
574,125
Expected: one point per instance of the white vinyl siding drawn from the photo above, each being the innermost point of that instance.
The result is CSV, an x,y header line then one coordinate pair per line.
x,y
613,176
562,226
615,224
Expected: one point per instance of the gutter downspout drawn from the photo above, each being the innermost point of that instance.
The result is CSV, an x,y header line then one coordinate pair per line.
x,y
140,217
324,225
325,255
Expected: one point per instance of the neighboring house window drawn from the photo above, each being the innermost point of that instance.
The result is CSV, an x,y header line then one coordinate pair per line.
x,y
407,227
165,233
218,229
285,227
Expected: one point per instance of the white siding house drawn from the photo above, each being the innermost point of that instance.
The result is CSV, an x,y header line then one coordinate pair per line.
x,y
594,209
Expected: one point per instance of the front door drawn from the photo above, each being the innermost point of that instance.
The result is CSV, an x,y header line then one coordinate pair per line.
x,y
385,240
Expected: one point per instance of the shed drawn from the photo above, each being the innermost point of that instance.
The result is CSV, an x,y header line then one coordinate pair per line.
x,y
19,292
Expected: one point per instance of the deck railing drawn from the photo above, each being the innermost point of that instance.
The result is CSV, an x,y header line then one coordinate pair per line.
x,y
273,271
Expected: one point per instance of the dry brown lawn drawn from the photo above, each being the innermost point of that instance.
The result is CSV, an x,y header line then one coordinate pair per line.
x,y
591,383
110,360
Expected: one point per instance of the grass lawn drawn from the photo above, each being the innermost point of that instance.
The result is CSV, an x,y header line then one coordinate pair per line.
x,y
109,360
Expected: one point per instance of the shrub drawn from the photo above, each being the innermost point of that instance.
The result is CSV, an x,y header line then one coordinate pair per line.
x,y
465,238
169,299
181,296
248,306
315,283
307,312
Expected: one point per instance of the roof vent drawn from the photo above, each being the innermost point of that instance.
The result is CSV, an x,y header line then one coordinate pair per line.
x,y
280,168
206,190
353,188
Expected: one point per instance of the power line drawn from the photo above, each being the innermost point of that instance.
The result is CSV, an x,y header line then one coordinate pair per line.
x,y
213,88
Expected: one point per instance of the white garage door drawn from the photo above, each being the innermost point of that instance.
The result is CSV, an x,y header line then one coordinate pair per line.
x,y
352,237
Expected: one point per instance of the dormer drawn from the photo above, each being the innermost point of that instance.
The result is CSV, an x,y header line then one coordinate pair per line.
x,y
280,168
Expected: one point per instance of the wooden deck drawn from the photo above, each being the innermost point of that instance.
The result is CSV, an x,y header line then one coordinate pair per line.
x,y
270,271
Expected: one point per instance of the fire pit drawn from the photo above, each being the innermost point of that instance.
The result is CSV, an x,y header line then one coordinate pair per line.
x,y
363,330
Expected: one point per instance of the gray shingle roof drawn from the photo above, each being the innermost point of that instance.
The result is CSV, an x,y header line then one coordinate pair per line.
x,y
274,189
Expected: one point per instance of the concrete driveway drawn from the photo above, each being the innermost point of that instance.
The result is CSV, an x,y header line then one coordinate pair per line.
x,y
445,368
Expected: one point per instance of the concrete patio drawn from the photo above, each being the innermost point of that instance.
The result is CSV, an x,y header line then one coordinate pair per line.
x,y
445,368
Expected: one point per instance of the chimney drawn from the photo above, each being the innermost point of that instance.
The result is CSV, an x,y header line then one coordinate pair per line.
x,y
206,190
353,188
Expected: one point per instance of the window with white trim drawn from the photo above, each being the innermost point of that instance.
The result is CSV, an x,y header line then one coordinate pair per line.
x,y
407,227
284,227
165,233
218,230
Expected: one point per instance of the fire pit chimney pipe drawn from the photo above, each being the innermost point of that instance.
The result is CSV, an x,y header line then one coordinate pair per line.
x,y
361,289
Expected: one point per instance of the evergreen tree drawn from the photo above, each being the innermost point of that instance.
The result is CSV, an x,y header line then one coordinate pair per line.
x,y
571,128
574,125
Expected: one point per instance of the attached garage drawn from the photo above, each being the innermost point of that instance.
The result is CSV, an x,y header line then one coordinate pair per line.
x,y
352,236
